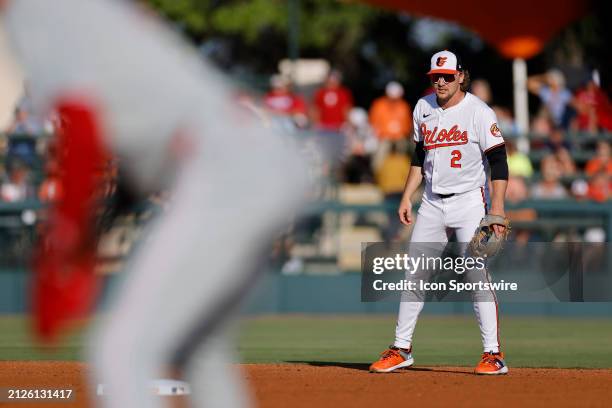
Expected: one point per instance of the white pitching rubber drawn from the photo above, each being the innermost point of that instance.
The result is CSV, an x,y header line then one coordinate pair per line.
x,y
162,388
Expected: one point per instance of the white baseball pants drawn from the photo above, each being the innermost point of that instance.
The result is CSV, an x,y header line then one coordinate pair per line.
x,y
437,217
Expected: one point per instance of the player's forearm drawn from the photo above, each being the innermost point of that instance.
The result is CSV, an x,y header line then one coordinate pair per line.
x,y
498,161
416,175
413,182
497,196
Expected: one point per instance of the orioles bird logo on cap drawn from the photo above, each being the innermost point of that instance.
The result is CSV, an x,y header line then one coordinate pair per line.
x,y
441,60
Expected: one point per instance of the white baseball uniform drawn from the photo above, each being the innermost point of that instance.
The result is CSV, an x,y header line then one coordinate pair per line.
x,y
455,141
146,87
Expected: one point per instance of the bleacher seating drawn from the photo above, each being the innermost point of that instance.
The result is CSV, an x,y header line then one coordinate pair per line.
x,y
357,213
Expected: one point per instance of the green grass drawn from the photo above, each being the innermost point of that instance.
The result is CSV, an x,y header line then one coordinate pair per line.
x,y
16,343
528,342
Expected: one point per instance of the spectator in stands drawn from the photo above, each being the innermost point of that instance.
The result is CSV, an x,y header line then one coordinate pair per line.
x,y
593,107
391,176
579,189
362,144
549,187
519,164
281,100
600,187
566,163
556,140
602,162
357,169
50,189
17,186
482,89
541,125
332,103
359,133
555,97
391,115
21,134
516,192
391,118
560,149
24,123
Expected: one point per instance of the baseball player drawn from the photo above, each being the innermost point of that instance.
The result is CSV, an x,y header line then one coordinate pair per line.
x,y
456,137
124,82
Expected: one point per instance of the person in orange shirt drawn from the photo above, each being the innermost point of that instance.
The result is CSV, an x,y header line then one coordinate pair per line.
x,y
600,187
391,115
602,160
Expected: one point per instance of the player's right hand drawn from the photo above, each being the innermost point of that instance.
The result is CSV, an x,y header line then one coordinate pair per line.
x,y
405,212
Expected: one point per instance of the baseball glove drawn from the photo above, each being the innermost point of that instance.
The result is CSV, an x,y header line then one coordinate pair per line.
x,y
485,242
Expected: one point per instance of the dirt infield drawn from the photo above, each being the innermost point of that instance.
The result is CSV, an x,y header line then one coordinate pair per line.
x,y
44,375
350,385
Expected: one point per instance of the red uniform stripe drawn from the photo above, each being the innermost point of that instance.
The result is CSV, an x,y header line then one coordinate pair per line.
x,y
493,147
484,201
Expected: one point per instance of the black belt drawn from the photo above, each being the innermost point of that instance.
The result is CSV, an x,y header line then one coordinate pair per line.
x,y
446,195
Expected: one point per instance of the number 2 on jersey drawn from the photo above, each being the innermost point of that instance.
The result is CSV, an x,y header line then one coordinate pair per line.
x,y
456,156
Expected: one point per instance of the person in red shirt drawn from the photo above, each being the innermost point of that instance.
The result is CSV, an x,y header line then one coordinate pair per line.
x,y
593,107
332,103
281,100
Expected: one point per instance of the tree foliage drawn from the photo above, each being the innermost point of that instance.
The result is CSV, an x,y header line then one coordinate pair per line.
x,y
251,36
371,45
323,23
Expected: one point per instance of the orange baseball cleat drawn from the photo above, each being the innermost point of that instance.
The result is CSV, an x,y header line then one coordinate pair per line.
x,y
392,359
492,364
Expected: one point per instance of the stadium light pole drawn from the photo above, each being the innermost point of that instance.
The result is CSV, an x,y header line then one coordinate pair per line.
x,y
521,102
293,41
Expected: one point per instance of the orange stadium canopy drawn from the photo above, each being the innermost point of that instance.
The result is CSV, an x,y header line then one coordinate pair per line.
x,y
517,28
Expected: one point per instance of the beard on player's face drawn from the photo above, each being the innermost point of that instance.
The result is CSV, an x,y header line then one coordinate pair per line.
x,y
446,90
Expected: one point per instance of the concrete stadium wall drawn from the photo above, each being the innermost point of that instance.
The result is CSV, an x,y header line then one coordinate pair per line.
x,y
13,289
341,294
322,295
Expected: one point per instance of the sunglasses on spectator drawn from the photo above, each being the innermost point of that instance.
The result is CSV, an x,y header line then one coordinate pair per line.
x,y
448,78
